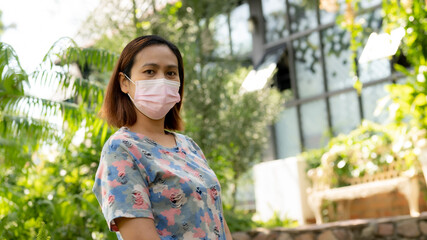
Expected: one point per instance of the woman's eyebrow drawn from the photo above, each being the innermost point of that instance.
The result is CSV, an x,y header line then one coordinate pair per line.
x,y
150,65
157,65
172,66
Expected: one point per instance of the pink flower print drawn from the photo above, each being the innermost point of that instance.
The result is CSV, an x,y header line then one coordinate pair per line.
x,y
123,137
191,171
134,151
182,155
168,174
138,200
199,233
170,215
162,151
168,192
184,179
121,166
217,221
114,183
196,196
186,150
111,200
103,191
163,162
206,218
213,192
114,227
100,171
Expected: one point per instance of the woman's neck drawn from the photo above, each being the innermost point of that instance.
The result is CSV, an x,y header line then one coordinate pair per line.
x,y
148,126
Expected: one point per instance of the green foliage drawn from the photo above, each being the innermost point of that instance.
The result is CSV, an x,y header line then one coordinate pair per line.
x,y
277,221
2,27
56,192
46,177
238,220
368,150
409,99
229,126
370,147
313,156
347,21
43,234
28,115
49,194
12,82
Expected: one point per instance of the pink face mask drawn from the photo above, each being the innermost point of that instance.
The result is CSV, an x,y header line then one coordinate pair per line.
x,y
154,98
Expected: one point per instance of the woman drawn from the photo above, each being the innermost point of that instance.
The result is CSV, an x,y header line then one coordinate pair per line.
x,y
153,183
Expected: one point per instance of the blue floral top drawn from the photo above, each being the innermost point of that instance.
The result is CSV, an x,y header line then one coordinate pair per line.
x,y
175,186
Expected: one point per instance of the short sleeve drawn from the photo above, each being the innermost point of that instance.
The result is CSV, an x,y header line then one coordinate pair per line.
x,y
121,186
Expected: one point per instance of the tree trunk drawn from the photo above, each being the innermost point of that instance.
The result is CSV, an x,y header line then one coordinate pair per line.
x,y
230,40
138,29
234,193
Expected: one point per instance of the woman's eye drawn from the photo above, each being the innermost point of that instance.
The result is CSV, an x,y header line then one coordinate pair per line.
x,y
149,72
172,73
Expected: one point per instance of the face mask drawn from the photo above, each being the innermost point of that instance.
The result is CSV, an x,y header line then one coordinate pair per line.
x,y
154,98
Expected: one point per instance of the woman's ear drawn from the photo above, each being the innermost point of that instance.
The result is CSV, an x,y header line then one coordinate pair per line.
x,y
124,83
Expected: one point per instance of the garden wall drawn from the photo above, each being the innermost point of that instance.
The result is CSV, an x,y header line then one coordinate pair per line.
x,y
401,227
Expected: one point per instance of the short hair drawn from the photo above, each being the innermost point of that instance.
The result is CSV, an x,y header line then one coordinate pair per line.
x,y
117,108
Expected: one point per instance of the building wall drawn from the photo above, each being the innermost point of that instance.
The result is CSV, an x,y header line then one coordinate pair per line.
x,y
313,65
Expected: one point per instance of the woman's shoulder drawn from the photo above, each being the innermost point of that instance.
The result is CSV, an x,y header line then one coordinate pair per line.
x,y
188,142
184,137
118,136
122,137
125,143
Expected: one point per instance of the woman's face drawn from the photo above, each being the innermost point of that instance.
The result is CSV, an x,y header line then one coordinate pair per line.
x,y
152,62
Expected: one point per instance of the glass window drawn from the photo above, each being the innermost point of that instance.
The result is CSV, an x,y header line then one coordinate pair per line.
x,y
377,69
369,3
240,35
307,66
330,9
337,58
371,22
222,36
303,15
401,80
274,12
374,70
315,124
370,97
344,112
287,136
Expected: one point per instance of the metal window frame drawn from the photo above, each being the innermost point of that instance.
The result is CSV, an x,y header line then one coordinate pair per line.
x,y
297,102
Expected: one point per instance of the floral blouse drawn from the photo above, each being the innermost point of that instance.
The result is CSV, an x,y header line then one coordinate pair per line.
x,y
174,186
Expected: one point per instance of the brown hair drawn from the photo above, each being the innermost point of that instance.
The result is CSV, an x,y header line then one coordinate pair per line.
x,y
118,109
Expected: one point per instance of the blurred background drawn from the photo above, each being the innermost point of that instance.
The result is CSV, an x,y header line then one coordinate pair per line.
x,y
279,94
